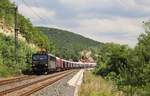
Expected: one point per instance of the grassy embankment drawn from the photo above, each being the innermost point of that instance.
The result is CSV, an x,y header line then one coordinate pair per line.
x,y
96,86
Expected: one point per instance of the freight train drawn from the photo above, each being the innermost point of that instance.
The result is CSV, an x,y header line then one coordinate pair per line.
x,y
44,63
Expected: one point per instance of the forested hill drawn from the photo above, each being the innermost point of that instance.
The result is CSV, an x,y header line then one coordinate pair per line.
x,y
65,38
68,41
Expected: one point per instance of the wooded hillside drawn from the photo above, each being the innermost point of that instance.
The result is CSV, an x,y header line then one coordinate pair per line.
x,y
69,44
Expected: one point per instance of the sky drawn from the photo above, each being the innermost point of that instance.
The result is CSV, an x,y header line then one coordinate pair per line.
x,y
118,21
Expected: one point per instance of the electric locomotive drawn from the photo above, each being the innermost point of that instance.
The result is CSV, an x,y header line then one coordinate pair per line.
x,y
43,63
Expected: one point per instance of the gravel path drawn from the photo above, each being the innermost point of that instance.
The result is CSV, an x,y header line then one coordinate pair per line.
x,y
59,88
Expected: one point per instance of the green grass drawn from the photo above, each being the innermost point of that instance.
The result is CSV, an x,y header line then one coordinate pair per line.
x,y
97,86
6,72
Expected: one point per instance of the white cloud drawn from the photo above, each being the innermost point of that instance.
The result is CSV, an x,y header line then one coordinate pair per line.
x,y
112,25
136,5
83,4
119,30
127,6
117,21
36,13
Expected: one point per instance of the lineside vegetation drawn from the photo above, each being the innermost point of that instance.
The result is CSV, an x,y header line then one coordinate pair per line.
x,y
97,86
128,68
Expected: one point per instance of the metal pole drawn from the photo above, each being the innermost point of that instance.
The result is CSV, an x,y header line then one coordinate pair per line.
x,y
16,35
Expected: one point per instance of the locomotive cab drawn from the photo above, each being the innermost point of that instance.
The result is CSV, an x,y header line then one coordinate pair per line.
x,y
39,63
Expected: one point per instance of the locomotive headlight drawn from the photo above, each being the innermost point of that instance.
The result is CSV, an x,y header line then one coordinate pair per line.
x,y
46,64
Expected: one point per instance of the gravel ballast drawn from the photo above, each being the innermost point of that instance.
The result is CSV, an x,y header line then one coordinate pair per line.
x,y
59,88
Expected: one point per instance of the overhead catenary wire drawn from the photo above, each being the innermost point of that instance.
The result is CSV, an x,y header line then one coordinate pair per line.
x,y
36,3
38,6
34,12
21,7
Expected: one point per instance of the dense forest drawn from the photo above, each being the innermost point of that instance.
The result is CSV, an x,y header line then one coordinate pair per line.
x,y
69,44
128,68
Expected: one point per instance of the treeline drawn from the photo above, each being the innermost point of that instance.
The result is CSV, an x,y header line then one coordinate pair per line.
x,y
128,68
69,45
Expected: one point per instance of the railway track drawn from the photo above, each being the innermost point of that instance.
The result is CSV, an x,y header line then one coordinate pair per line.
x,y
30,88
17,79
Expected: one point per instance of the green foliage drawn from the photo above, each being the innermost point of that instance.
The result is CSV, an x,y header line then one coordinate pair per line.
x,y
34,35
26,29
7,63
69,44
6,13
112,58
128,68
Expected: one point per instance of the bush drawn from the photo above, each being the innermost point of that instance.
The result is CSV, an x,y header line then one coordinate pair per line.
x,y
7,63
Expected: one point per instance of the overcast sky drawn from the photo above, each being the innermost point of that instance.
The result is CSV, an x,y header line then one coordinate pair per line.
x,y
118,21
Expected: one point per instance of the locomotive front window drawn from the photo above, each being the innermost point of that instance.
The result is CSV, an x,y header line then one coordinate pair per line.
x,y
40,57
